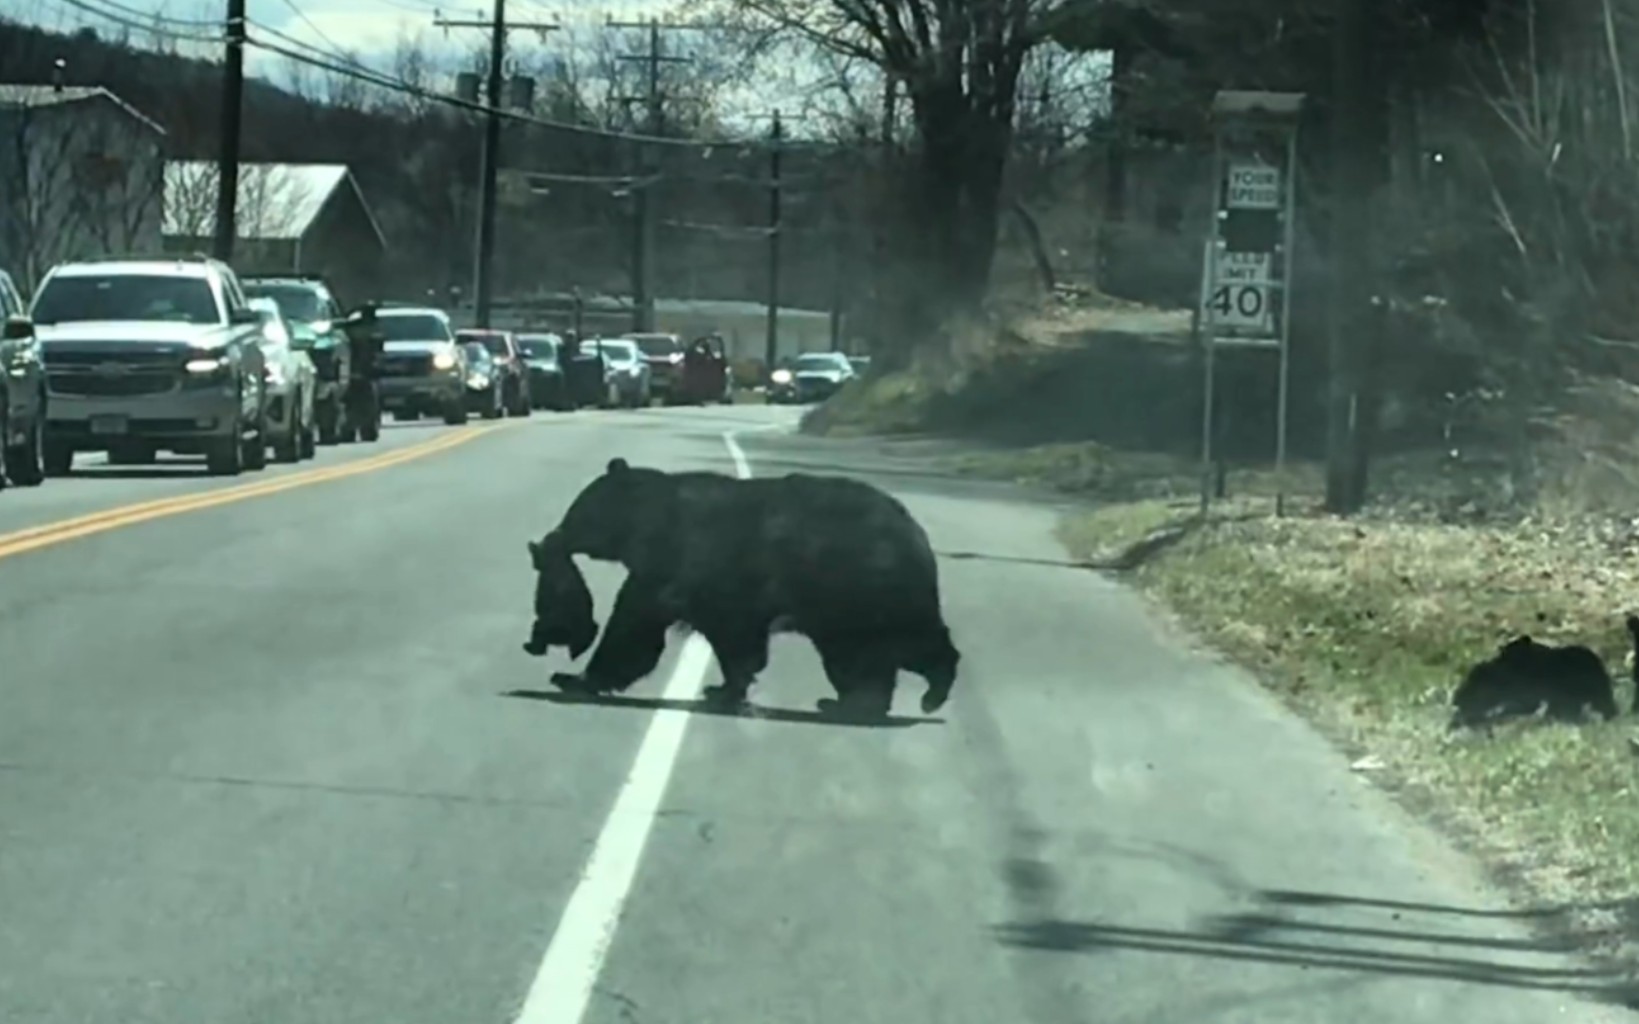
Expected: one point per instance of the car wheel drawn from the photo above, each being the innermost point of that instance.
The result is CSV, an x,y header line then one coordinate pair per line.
x,y
59,459
329,418
225,456
5,452
289,447
456,414
25,463
254,449
495,406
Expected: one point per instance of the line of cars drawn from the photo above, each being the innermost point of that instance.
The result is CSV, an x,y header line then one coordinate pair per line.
x,y
132,356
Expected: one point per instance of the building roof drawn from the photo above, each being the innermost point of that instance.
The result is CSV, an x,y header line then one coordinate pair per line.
x,y
276,201
32,97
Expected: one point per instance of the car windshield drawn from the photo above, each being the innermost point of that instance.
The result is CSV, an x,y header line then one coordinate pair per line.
x,y
81,298
496,343
477,353
413,327
822,361
658,344
539,348
617,353
294,301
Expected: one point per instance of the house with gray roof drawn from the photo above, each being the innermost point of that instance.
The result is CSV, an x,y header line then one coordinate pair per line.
x,y
81,175
311,218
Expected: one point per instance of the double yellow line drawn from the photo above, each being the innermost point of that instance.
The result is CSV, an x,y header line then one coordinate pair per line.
x,y
20,541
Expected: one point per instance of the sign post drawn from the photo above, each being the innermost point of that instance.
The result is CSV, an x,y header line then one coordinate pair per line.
x,y
1247,260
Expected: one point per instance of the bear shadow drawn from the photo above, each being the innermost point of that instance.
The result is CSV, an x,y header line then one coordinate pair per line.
x,y
828,713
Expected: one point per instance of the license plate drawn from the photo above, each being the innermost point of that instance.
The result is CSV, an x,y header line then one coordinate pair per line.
x,y
105,426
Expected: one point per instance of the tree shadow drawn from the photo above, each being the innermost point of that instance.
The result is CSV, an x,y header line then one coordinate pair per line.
x,y
1278,937
828,712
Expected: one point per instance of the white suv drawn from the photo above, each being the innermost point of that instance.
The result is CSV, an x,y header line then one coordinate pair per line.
x,y
149,355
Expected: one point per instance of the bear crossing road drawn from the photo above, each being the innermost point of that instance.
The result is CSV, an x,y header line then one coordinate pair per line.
x,y
832,558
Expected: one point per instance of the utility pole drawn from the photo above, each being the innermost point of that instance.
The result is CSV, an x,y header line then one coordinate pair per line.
x,y
227,163
483,276
838,237
885,206
1350,262
775,133
643,205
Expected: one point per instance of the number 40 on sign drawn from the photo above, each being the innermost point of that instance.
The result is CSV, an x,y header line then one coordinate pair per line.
x,y
1241,291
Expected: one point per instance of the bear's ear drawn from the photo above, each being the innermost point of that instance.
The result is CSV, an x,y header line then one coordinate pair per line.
x,y
618,465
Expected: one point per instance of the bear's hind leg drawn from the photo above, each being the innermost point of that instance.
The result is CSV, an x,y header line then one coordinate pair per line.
x,y
864,675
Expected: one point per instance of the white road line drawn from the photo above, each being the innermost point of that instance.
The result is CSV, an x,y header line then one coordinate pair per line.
x,y
569,970
742,468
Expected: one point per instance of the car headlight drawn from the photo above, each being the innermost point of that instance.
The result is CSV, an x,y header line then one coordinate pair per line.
x,y
478,380
782,376
206,365
444,361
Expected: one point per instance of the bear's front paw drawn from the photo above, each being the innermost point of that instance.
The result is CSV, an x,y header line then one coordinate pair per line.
x,y
576,682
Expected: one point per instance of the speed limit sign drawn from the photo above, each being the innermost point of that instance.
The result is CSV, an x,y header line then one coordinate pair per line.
x,y
1241,292
1240,305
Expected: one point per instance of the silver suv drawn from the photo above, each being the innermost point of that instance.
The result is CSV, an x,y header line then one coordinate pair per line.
x,y
144,355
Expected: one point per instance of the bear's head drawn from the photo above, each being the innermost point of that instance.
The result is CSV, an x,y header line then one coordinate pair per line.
x,y
613,515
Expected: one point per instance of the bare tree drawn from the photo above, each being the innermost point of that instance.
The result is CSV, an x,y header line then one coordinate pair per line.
x,y
269,200
960,63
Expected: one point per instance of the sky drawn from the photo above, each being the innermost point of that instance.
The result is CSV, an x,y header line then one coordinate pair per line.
x,y
372,31
371,28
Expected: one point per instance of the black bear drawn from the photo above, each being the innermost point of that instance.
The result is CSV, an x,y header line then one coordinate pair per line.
x,y
834,559
1525,676
563,603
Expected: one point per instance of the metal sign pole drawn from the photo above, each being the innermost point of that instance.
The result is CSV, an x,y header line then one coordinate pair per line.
x,y
1204,328
1250,249
1286,255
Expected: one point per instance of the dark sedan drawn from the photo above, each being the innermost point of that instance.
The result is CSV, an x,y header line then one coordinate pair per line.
x,y
548,388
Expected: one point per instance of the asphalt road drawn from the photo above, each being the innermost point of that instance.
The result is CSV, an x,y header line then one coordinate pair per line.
x,y
281,759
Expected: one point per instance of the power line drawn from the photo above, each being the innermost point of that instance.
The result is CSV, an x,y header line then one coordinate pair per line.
x,y
137,12
385,81
132,23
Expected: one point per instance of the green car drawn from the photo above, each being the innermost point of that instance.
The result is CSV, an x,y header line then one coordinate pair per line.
x,y
316,328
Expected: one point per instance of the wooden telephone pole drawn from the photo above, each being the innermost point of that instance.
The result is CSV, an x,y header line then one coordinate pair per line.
x,y
484,281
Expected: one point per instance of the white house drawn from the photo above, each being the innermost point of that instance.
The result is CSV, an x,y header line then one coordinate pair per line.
x,y
82,173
